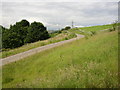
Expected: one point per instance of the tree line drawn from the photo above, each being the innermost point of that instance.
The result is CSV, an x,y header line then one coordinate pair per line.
x,y
22,33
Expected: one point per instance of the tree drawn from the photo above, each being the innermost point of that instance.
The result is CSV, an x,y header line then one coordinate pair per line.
x,y
10,40
22,32
36,31
20,28
2,29
67,27
114,25
14,37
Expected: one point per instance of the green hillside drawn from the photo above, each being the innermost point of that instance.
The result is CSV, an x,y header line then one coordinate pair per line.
x,y
84,63
92,28
57,38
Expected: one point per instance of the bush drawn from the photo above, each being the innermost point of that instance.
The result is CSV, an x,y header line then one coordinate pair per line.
x,y
66,28
110,30
66,38
93,32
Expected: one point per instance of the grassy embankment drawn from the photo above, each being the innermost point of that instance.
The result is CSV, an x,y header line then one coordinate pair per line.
x,y
87,31
90,31
84,63
55,38
91,28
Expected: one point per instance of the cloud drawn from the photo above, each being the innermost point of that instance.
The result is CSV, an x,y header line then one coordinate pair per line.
x,y
56,15
61,1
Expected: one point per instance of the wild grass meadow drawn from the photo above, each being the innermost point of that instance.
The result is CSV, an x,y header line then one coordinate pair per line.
x,y
84,63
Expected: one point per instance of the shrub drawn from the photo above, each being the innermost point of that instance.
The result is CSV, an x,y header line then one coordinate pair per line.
x,y
93,32
66,38
110,30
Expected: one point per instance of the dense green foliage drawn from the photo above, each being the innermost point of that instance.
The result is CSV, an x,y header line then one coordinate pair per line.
x,y
55,37
84,63
22,32
66,28
36,32
1,28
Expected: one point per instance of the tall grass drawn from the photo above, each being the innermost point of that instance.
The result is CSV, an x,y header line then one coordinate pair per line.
x,y
84,63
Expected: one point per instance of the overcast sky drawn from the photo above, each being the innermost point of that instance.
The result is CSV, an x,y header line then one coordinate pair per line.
x,y
56,15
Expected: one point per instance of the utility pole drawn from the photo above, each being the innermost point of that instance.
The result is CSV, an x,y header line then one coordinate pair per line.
x,y
72,24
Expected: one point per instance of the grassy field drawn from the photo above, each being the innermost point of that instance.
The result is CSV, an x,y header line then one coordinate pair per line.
x,y
60,37
90,31
84,63
97,28
93,28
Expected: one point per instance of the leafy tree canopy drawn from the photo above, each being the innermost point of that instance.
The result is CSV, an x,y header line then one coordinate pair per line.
x,y
22,32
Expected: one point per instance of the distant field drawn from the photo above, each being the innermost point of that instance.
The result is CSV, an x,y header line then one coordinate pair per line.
x,y
91,28
57,38
84,63
97,28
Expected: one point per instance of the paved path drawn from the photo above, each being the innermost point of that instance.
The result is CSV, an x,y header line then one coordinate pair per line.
x,y
36,50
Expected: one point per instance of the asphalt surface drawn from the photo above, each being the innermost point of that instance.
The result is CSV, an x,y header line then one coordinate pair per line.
x,y
22,55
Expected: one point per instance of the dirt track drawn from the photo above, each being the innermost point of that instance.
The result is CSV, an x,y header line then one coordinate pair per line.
x,y
36,50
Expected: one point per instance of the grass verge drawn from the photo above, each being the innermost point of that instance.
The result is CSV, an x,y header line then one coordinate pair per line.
x,y
60,37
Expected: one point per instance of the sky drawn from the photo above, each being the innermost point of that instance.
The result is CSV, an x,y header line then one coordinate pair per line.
x,y
56,15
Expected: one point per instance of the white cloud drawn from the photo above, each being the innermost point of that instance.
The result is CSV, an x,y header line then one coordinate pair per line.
x,y
61,0
56,15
